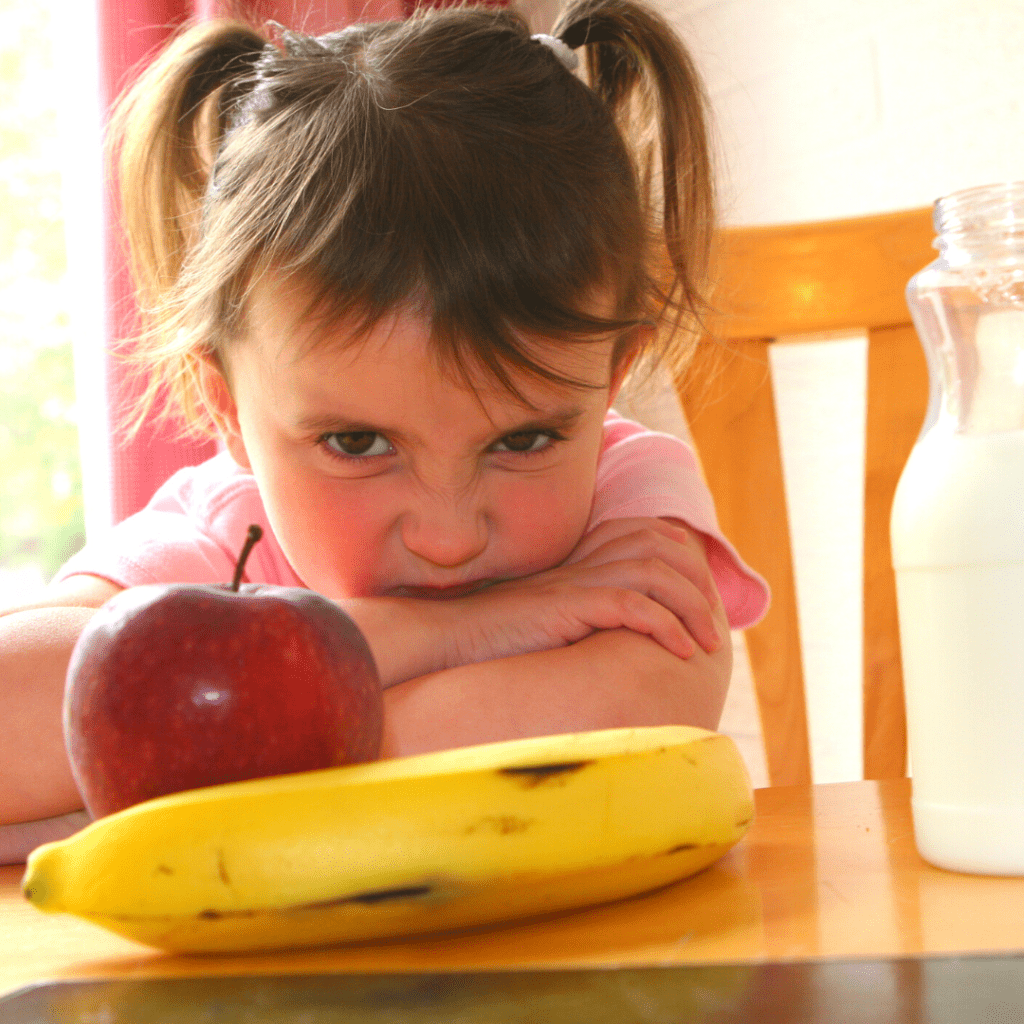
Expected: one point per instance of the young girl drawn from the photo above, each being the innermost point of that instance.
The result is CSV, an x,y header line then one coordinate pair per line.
x,y
402,269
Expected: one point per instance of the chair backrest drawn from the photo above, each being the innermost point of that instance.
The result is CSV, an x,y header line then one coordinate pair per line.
x,y
788,281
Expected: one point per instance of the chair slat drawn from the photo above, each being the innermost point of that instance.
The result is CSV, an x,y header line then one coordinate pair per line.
x,y
897,401
731,411
830,276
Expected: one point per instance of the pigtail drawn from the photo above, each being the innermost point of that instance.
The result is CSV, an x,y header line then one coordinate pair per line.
x,y
163,138
637,64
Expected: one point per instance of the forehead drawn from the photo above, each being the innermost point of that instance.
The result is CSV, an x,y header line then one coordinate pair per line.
x,y
288,337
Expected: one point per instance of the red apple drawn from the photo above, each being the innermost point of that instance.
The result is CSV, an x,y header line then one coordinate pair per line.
x,y
173,687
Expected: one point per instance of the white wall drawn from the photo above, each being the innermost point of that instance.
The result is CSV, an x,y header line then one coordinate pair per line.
x,y
830,108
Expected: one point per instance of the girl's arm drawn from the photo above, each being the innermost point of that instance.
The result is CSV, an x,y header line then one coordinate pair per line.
x,y
609,679
650,576
35,646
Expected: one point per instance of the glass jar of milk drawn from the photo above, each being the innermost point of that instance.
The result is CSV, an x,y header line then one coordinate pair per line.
x,y
958,541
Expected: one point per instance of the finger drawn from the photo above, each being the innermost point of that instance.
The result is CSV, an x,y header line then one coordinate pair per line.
x,y
696,547
679,594
656,580
623,608
676,546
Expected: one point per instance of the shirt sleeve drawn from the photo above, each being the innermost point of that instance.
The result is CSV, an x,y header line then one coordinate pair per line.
x,y
646,474
191,532
153,547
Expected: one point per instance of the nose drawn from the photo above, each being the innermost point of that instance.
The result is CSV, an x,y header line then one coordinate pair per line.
x,y
445,532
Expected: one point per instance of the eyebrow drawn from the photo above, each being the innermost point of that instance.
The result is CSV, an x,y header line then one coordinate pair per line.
x,y
555,419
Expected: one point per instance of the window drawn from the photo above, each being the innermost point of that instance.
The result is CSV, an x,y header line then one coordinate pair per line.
x,y
41,515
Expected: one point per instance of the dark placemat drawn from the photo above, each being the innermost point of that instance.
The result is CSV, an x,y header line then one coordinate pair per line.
x,y
938,990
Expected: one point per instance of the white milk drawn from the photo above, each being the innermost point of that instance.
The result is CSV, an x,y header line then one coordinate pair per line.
x,y
958,550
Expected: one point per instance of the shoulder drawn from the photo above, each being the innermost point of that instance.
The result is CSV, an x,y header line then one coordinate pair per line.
x,y
627,443
646,473
617,427
190,532
202,492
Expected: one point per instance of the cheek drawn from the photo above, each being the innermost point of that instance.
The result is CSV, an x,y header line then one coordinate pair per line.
x,y
540,522
334,538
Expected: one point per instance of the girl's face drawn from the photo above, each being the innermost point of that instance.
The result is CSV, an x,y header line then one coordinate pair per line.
x,y
382,477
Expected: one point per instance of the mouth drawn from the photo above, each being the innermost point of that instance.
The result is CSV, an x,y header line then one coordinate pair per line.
x,y
429,593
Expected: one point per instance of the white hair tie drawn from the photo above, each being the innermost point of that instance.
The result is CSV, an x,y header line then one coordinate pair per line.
x,y
560,50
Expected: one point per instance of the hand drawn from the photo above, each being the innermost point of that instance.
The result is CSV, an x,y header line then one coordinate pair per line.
x,y
690,560
647,575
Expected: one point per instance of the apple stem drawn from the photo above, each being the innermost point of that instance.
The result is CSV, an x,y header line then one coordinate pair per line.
x,y
252,535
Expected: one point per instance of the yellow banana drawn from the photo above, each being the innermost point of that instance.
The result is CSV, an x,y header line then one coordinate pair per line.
x,y
405,846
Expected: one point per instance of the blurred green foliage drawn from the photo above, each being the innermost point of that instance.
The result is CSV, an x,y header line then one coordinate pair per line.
x,y
41,519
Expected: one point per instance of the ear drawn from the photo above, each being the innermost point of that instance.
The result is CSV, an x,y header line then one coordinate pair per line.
x,y
639,338
220,404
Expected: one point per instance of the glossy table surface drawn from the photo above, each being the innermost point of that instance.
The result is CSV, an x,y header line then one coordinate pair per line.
x,y
825,872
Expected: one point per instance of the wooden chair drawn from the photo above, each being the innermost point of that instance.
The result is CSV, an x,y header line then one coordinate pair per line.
x,y
793,280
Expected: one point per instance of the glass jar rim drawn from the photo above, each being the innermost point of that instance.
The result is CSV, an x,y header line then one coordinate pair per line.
x,y
988,212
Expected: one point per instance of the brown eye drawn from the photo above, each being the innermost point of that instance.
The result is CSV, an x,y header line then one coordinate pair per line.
x,y
527,441
357,444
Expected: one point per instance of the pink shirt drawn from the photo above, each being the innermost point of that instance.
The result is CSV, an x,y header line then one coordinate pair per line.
x,y
192,529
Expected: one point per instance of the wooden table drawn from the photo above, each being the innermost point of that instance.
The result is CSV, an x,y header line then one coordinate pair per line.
x,y
825,872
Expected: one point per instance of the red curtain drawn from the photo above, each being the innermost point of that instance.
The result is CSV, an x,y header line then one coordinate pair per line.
x,y
129,32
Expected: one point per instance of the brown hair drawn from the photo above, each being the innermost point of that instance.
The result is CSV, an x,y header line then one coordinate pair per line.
x,y
449,159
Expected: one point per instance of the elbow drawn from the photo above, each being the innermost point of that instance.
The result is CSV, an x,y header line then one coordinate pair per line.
x,y
693,692
654,687
711,684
